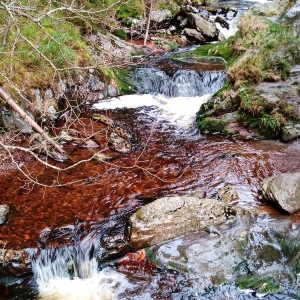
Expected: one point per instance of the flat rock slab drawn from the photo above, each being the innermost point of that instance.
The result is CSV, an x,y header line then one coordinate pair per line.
x,y
283,189
171,217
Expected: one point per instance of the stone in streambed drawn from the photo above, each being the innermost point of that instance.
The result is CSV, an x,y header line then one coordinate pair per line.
x,y
228,194
284,190
4,210
170,217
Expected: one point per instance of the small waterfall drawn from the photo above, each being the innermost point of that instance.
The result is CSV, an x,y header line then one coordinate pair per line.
x,y
183,83
71,273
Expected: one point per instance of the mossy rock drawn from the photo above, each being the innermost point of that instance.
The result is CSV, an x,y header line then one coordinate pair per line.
x,y
260,283
212,125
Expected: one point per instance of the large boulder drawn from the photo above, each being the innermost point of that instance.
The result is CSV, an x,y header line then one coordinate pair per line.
x,y
206,27
193,34
284,190
167,218
161,18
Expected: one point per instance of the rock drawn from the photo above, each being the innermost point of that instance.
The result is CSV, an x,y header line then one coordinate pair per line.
x,y
106,156
193,34
183,23
167,218
290,131
228,194
231,117
283,189
95,85
90,144
231,14
161,18
4,210
292,15
119,144
222,22
114,45
278,92
19,258
13,121
103,119
187,9
206,27
212,125
112,90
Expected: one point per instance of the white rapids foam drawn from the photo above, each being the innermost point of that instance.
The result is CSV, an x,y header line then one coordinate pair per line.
x,y
179,110
105,285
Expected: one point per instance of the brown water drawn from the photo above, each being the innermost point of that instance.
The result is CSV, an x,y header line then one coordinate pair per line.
x,y
171,164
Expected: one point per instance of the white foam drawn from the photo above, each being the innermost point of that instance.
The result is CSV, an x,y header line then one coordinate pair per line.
x,y
179,110
106,285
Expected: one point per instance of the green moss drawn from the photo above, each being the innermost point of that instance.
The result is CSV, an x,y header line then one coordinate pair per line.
x,y
139,214
221,49
120,33
151,256
291,250
263,284
211,125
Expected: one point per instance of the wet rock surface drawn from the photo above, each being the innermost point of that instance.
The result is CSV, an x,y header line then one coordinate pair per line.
x,y
4,210
170,217
283,189
238,254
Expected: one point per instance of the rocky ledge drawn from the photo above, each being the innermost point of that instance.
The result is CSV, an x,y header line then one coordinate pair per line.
x,y
171,217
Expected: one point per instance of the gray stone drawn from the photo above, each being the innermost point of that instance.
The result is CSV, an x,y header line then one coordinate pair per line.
x,y
193,34
13,121
231,117
206,27
4,210
167,218
183,23
95,85
187,9
112,90
290,131
161,18
274,92
231,14
48,94
283,189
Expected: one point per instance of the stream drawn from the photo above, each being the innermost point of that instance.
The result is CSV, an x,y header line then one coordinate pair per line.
x,y
68,231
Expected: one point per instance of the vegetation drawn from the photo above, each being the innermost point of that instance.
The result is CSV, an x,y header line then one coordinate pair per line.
x,y
260,51
262,284
212,125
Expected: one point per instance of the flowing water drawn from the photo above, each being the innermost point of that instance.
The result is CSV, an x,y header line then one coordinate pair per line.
x,y
68,230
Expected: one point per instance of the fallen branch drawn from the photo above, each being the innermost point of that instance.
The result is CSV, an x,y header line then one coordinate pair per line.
x,y
27,118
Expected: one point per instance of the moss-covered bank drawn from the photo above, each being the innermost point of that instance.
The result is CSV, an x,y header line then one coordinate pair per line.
x,y
261,52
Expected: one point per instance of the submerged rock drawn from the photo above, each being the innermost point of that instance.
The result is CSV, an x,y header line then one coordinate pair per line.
x,y
4,210
283,189
228,194
119,144
167,218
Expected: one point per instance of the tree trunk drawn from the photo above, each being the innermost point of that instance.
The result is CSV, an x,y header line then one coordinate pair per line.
x,y
148,24
27,118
